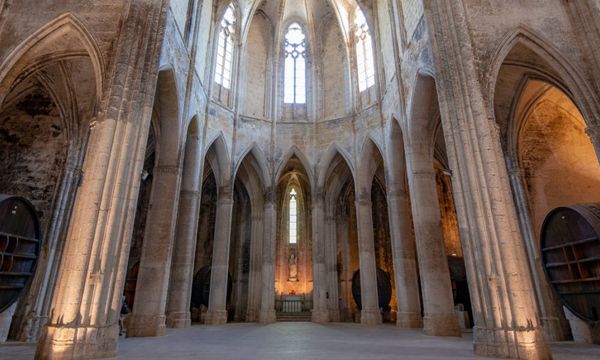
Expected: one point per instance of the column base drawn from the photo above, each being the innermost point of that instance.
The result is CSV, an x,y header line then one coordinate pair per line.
x,y
267,316
85,342
319,316
216,317
334,315
409,320
251,315
145,325
526,344
441,325
179,320
370,317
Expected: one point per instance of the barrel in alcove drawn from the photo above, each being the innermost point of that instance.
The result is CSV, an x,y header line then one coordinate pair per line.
x,y
384,289
19,247
570,241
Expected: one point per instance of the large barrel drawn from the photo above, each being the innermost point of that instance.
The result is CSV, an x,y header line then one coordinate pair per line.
x,y
570,241
19,247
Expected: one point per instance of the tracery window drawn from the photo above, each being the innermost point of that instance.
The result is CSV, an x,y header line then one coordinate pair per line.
x,y
364,52
293,219
225,48
295,65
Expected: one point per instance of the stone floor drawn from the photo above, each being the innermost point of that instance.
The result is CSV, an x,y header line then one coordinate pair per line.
x,y
304,341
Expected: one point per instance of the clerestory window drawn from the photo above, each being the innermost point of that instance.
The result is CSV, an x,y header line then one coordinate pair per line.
x,y
225,48
293,220
364,52
295,65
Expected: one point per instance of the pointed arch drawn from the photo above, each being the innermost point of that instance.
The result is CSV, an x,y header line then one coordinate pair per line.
x,y
329,159
62,38
423,115
370,159
217,157
294,151
254,157
166,108
551,66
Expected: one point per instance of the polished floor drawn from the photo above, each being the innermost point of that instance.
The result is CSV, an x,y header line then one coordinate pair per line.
x,y
295,341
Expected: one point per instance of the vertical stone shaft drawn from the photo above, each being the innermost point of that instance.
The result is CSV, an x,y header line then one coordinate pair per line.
x,y
320,313
184,249
405,262
438,304
219,273
506,324
369,314
83,322
254,279
267,301
332,274
148,316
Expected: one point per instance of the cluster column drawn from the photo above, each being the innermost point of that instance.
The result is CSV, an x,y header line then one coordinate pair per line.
x,y
405,262
217,303
267,303
184,249
148,316
438,303
369,314
320,313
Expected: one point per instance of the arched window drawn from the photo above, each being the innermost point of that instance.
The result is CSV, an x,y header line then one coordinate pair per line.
x,y
293,220
295,65
364,52
225,48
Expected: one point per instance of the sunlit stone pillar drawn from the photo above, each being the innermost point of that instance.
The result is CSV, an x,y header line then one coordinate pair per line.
x,y
405,262
320,314
438,303
369,314
184,249
505,312
148,316
217,303
267,301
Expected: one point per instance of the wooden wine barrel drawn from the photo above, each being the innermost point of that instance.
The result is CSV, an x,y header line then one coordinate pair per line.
x,y
384,289
570,241
19,247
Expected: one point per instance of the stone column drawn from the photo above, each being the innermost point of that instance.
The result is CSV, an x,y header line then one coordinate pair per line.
x,y
254,280
405,262
267,302
184,249
553,320
84,319
333,303
438,304
369,314
504,308
148,316
320,314
219,273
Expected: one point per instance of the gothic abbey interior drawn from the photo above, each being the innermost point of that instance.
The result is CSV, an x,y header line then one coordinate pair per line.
x,y
420,168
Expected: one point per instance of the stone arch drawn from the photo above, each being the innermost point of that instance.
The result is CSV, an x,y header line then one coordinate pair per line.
x,y
294,151
255,158
166,107
217,156
330,159
550,64
63,38
370,160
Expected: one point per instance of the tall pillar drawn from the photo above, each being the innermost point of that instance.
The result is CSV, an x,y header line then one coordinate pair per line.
x,y
506,323
83,322
219,273
556,326
186,234
438,304
320,314
369,314
333,303
267,301
405,262
254,280
148,316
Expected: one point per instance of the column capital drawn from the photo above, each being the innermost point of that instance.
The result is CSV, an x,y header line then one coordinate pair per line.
x,y
270,195
191,193
363,199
